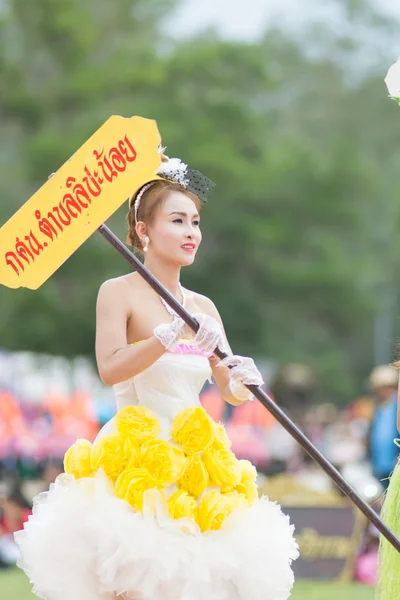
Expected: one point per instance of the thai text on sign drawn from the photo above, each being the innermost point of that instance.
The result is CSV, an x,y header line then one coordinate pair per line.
x,y
120,157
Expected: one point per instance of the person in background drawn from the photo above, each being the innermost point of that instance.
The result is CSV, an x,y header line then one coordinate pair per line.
x,y
51,470
383,382
14,512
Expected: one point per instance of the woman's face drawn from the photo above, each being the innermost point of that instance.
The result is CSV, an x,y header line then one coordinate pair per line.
x,y
175,231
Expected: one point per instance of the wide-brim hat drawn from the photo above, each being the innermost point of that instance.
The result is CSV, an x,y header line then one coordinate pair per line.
x,y
383,376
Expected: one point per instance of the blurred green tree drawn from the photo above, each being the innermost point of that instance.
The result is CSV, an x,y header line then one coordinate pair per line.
x,y
300,237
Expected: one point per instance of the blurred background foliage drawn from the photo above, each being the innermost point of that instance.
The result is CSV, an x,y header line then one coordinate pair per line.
x,y
301,241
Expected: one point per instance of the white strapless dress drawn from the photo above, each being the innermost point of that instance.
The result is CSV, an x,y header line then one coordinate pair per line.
x,y
88,540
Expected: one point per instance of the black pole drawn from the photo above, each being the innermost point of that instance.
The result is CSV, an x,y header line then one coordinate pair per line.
x,y
265,400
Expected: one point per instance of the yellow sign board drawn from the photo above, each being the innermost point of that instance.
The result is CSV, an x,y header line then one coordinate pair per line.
x,y
115,161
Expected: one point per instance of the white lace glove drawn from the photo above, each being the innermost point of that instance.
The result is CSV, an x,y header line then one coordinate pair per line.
x,y
208,337
169,334
243,372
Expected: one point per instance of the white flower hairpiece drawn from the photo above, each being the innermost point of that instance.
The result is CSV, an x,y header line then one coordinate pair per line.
x,y
175,170
392,81
172,169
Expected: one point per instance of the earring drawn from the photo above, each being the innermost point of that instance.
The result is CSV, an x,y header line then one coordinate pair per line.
x,y
146,245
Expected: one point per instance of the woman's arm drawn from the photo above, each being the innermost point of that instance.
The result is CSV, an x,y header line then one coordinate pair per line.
x,y
220,374
221,377
116,360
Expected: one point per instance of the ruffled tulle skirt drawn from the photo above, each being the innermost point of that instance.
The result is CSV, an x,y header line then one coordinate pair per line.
x,y
89,538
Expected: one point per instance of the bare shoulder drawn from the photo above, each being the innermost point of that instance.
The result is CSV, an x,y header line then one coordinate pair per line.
x,y
203,304
117,288
113,286
120,284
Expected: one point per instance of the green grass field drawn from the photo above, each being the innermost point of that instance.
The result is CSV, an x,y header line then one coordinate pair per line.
x,y
15,586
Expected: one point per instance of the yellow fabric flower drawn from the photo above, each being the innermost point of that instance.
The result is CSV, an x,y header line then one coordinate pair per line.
x,y
192,429
77,459
195,479
137,422
248,471
131,485
249,490
214,509
247,486
165,462
182,505
221,439
236,499
113,453
223,468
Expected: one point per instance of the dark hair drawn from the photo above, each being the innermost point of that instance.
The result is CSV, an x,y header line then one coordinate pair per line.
x,y
152,198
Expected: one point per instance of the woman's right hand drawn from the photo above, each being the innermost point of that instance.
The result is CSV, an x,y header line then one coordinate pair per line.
x,y
169,334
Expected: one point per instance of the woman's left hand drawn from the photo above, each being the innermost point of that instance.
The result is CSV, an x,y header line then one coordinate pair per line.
x,y
243,372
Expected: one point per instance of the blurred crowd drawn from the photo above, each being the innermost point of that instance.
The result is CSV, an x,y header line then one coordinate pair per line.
x,y
47,403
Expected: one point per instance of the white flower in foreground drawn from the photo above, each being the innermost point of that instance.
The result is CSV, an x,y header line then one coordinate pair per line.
x,y
392,81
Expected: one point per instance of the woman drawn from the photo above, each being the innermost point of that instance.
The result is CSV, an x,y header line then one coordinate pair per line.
x,y
159,507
